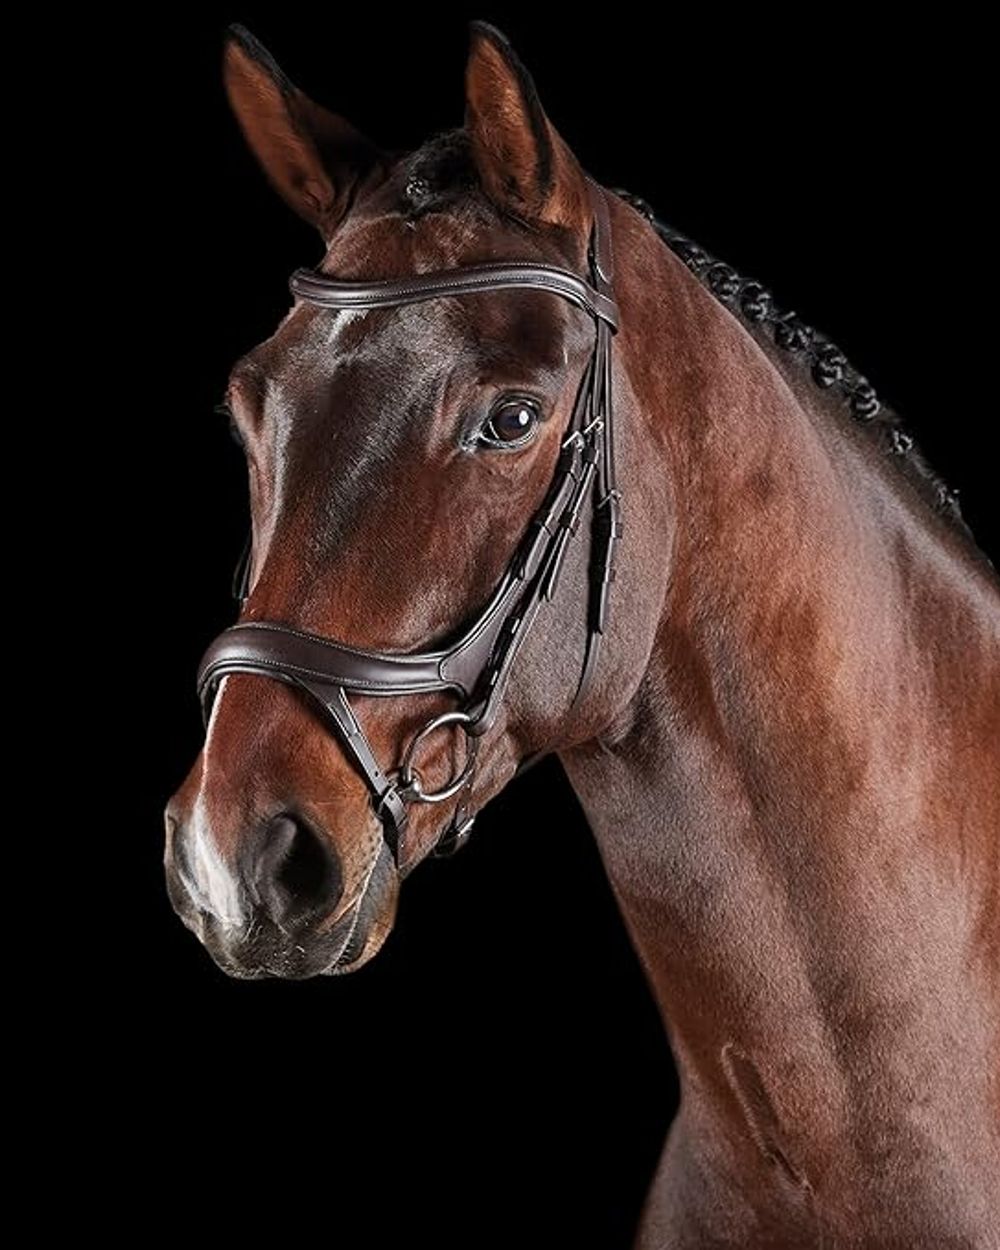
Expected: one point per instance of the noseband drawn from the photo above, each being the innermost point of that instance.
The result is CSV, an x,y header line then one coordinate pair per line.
x,y
474,670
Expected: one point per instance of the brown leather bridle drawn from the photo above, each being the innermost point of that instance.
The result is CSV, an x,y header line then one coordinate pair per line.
x,y
476,667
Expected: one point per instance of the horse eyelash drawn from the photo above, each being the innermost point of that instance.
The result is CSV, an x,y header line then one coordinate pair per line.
x,y
224,410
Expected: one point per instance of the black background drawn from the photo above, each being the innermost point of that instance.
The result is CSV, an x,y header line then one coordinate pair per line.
x,y
499,1072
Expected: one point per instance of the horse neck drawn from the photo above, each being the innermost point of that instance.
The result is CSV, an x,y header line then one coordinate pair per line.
x,y
803,767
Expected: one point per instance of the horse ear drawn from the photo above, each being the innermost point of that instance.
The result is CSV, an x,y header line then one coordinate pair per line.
x,y
313,158
524,165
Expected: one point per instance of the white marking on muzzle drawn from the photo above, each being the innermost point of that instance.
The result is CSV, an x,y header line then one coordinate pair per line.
x,y
213,887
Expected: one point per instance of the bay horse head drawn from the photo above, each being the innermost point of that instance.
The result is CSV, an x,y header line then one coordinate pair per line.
x,y
431,457
775,691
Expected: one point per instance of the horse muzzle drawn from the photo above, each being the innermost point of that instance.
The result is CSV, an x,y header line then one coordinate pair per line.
x,y
285,919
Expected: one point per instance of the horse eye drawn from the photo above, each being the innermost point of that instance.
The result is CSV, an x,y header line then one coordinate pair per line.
x,y
511,423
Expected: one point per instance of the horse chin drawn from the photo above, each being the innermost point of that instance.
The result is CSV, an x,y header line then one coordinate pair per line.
x,y
362,947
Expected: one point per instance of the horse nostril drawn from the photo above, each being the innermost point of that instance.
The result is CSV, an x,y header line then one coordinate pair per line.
x,y
297,873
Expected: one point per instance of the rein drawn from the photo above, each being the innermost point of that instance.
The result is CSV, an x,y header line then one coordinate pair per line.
x,y
475,669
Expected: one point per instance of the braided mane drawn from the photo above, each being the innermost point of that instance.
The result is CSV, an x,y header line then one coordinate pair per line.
x,y
443,168
826,363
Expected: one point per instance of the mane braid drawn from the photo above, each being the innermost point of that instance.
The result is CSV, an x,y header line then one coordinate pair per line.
x,y
827,364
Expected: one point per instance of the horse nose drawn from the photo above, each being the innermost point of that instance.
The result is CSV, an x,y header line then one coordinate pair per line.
x,y
293,873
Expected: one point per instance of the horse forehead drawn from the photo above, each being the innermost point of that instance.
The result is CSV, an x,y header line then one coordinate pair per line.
x,y
390,245
507,332
495,327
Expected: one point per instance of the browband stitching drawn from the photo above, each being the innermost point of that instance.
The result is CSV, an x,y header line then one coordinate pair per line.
x,y
329,292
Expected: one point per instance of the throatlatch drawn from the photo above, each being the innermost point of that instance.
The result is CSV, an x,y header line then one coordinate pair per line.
x,y
476,667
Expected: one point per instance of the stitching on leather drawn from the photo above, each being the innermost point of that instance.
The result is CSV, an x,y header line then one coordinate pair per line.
x,y
331,292
249,664
441,275
394,657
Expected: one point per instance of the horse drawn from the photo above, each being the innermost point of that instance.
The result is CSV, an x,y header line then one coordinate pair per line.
x,y
532,473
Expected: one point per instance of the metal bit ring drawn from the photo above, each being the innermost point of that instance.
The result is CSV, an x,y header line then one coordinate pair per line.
x,y
409,779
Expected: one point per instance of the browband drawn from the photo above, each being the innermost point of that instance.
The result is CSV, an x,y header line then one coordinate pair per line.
x,y
326,292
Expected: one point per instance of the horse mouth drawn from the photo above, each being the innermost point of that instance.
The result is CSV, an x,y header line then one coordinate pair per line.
x,y
370,919
261,953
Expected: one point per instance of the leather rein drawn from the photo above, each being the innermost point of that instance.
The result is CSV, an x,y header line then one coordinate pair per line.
x,y
475,668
